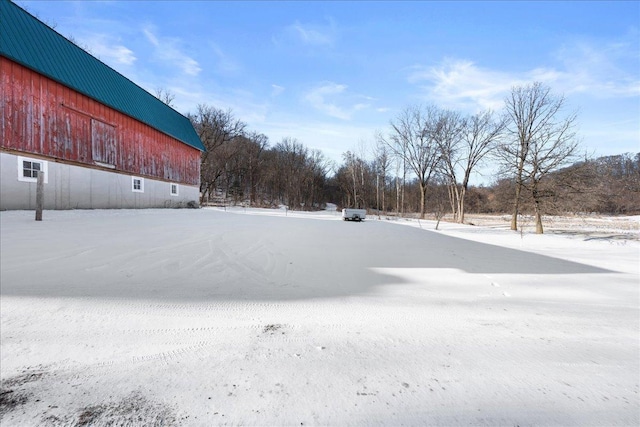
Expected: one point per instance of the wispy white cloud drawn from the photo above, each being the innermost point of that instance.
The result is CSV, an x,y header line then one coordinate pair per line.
x,y
462,84
602,69
191,66
151,37
309,34
109,50
335,100
224,63
581,68
315,34
319,96
276,90
168,50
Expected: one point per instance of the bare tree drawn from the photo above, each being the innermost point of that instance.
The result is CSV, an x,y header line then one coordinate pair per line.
x,y
438,197
382,161
481,135
414,141
400,164
257,143
397,152
292,156
555,148
541,141
318,167
244,160
447,134
355,167
216,128
165,95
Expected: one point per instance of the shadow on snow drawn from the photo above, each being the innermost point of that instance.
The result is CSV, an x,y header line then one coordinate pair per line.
x,y
205,256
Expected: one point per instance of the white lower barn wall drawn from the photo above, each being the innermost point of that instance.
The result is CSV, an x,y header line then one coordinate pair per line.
x,y
75,187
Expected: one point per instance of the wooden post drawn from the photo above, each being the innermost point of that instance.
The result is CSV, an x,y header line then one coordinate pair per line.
x,y
39,196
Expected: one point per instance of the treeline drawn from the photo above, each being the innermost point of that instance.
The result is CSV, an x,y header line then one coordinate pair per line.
x,y
241,167
422,164
605,185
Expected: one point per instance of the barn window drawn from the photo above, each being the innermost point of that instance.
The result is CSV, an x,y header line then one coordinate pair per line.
x,y
174,189
137,184
28,169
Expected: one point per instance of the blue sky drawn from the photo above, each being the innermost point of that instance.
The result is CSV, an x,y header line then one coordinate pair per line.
x,y
332,73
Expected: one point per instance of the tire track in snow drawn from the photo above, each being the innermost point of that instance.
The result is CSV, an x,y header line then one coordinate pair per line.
x,y
186,309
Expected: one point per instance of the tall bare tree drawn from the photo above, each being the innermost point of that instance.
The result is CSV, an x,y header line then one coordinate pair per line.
x,y
481,135
246,165
397,153
413,137
554,149
216,128
318,167
358,173
255,150
447,133
382,161
542,140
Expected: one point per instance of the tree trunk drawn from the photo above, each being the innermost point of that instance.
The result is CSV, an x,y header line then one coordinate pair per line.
x,y
423,194
355,192
452,201
536,204
384,187
397,196
457,202
516,207
463,194
539,229
378,195
402,195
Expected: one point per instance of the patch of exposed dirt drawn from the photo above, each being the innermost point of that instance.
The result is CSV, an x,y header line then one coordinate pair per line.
x,y
11,399
12,395
133,410
272,329
24,378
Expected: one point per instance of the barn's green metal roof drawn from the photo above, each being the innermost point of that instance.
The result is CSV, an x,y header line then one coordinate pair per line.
x,y
31,43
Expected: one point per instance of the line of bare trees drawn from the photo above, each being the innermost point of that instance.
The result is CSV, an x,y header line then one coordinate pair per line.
x,y
240,166
606,185
424,163
435,147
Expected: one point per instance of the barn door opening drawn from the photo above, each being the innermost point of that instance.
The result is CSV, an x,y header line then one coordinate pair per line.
x,y
103,143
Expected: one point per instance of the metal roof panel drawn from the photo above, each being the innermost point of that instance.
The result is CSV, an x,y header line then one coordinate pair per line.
x,y
29,42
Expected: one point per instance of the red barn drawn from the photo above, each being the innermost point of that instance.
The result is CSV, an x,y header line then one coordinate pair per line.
x,y
100,140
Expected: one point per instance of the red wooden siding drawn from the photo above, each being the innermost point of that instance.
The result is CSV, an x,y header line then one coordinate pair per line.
x,y
41,116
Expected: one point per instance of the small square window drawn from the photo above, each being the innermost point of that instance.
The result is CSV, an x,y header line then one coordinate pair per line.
x,y
137,184
174,189
29,169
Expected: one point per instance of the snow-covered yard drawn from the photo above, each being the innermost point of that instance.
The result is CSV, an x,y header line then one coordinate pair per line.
x,y
266,317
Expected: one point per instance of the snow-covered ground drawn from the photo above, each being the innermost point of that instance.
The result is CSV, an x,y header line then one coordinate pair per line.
x,y
267,317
